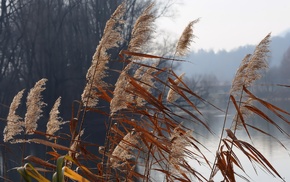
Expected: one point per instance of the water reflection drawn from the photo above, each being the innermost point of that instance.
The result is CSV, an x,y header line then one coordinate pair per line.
x,y
276,154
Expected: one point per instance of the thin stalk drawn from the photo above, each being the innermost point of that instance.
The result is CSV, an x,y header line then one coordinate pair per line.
x,y
107,148
220,140
235,127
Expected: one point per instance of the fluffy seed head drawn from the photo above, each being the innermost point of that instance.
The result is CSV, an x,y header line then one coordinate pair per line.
x,y
142,30
97,70
144,75
180,139
14,122
185,39
34,105
251,66
121,97
55,121
123,151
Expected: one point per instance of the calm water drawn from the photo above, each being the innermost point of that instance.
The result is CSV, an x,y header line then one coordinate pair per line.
x,y
274,152
277,155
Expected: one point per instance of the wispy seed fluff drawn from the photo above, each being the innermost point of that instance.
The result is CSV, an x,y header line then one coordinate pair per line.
x,y
34,106
54,121
121,97
172,95
180,139
239,79
139,37
123,151
185,39
14,124
145,76
250,68
142,30
258,61
97,71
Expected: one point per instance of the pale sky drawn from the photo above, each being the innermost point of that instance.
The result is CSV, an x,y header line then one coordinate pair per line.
x,y
228,24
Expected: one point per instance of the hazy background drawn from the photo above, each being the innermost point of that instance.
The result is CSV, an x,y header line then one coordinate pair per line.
x,y
227,31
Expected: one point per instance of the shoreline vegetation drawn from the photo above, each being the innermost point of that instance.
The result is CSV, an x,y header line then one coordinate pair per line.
x,y
146,128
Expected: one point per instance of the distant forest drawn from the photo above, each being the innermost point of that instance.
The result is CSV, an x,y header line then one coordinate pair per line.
x,y
53,39
229,60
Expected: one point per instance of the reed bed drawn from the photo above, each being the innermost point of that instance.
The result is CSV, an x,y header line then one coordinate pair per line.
x,y
145,133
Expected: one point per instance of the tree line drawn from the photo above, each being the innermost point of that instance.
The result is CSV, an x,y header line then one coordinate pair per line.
x,y
53,39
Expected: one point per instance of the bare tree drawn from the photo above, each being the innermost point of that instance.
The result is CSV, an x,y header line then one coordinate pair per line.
x,y
204,86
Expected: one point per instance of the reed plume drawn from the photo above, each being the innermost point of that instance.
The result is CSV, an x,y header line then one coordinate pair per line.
x,y
145,76
172,95
249,70
97,70
258,61
185,39
139,37
54,121
15,123
142,30
239,79
34,105
139,72
247,73
121,97
123,151
180,139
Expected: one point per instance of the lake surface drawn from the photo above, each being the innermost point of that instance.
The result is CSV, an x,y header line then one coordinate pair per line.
x,y
276,154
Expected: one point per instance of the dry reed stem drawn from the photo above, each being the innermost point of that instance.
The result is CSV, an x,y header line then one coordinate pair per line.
x,y
172,95
14,124
123,151
185,39
251,152
97,71
54,121
246,113
34,105
73,148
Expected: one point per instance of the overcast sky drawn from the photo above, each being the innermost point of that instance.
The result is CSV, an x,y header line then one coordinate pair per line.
x,y
228,24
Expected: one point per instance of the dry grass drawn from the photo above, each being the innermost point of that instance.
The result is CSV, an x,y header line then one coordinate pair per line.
x,y
34,105
145,133
14,122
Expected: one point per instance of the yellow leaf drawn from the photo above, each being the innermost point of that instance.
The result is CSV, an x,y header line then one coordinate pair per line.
x,y
73,175
31,171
